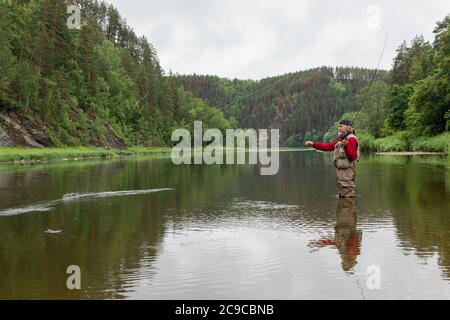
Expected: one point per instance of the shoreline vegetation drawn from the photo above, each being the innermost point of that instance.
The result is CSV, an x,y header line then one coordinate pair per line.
x,y
37,155
406,153
112,93
402,142
30,155
12,155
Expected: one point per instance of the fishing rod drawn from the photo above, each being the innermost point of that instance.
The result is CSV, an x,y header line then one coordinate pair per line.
x,y
372,81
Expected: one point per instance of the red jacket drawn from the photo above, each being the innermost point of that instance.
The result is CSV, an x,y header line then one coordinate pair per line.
x,y
351,149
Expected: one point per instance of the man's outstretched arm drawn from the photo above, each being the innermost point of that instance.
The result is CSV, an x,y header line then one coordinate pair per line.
x,y
322,146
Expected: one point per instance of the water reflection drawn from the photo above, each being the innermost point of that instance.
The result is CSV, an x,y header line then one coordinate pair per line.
x,y
347,239
224,231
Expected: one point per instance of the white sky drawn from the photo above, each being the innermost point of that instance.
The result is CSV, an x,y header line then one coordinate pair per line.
x,y
253,39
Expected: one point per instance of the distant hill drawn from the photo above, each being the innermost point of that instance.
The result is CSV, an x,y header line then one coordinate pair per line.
x,y
295,103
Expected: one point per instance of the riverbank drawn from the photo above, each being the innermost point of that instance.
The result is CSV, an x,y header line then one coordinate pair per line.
x,y
26,155
403,143
410,153
31,155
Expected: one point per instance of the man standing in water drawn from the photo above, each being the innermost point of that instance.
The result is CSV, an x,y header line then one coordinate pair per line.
x,y
346,152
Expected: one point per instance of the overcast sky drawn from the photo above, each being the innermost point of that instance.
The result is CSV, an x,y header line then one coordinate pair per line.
x,y
253,39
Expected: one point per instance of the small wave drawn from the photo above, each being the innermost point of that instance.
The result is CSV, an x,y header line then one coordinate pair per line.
x,y
50,231
33,208
109,194
263,205
48,206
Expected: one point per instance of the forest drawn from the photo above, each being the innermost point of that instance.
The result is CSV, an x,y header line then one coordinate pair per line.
x,y
403,109
302,105
103,85
86,86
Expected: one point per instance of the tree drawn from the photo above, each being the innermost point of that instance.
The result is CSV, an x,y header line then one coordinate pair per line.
x,y
413,62
430,101
374,106
397,104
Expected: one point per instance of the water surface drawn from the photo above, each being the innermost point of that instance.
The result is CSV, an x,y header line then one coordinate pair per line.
x,y
147,229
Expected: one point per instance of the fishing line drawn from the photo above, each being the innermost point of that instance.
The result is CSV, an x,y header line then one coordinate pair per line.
x,y
358,284
372,81
290,77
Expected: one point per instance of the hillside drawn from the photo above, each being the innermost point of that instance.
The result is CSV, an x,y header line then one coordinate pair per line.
x,y
305,102
101,85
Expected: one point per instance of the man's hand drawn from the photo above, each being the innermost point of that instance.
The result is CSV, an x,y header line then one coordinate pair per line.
x,y
309,144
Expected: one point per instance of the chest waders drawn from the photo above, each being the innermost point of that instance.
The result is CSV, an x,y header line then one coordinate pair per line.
x,y
340,159
345,169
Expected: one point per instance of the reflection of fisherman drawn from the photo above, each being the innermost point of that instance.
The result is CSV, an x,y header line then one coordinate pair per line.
x,y
346,238
346,152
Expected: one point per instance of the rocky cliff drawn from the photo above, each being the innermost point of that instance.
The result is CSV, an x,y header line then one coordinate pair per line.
x,y
20,130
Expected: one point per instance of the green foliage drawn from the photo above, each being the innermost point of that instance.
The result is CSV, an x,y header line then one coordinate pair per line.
x,y
430,101
295,103
413,62
427,107
30,155
394,143
103,80
366,141
440,143
296,141
81,82
313,135
397,104
196,109
447,118
418,103
375,101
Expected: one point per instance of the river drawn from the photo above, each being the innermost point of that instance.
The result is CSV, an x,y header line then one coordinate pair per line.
x,y
143,228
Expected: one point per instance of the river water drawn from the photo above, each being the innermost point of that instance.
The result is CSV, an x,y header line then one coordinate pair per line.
x,y
143,228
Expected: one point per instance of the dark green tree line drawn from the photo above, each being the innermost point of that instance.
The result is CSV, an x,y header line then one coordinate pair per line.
x,y
84,83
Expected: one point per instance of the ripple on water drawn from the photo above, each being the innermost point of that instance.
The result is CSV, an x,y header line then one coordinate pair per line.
x,y
48,206
256,215
253,240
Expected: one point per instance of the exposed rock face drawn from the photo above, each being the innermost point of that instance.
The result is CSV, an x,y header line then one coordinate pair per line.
x,y
112,139
5,139
20,130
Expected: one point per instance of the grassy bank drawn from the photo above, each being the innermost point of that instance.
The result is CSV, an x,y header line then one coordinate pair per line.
x,y
393,144
48,154
439,143
401,142
27,155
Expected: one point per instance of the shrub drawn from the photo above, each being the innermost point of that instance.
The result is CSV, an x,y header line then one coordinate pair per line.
x,y
394,143
366,141
295,141
440,143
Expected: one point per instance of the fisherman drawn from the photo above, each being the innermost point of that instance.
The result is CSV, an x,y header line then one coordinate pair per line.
x,y
346,153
